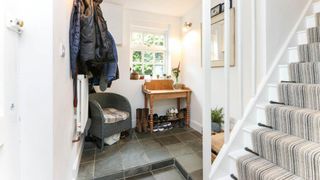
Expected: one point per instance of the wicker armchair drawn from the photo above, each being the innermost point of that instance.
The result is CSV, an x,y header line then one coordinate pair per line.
x,y
100,129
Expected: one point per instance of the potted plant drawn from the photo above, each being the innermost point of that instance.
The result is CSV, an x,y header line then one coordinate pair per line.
x,y
176,72
216,119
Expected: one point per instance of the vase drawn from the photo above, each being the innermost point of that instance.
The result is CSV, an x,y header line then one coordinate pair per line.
x,y
215,127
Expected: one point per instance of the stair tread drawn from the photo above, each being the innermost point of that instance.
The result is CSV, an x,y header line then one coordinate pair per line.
x,y
288,151
250,162
250,128
238,153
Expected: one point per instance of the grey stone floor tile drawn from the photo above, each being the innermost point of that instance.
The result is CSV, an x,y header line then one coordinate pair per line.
x,y
195,145
190,162
168,140
131,147
196,133
150,144
88,156
134,158
178,130
86,171
184,137
179,149
197,175
169,173
144,136
107,152
89,146
145,176
157,155
108,165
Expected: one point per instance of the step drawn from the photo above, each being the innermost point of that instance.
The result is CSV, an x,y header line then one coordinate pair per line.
x,y
289,152
307,73
273,92
293,121
299,95
262,169
234,156
284,72
293,55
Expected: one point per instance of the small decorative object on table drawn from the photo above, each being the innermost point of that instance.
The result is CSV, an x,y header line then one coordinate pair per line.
x,y
176,72
216,119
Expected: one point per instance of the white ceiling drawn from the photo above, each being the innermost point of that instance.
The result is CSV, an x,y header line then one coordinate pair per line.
x,y
167,7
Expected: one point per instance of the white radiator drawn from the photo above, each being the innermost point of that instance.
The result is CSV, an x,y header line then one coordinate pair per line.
x,y
83,102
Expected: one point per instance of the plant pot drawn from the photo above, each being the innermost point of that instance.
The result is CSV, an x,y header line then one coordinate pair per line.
x,y
178,86
215,127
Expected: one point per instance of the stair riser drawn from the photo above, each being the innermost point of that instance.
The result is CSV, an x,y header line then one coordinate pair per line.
x,y
311,21
302,123
293,55
273,93
302,37
284,73
300,95
316,7
308,73
261,117
309,52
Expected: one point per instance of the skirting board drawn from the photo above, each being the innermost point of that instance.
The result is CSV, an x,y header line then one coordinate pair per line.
x,y
76,163
196,126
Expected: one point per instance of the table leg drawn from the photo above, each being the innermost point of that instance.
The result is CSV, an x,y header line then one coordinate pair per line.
x,y
151,113
145,101
188,110
178,104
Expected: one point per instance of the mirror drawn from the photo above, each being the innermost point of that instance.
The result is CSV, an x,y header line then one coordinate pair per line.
x,y
217,37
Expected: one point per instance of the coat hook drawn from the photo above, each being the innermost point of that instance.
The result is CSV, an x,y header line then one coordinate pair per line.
x,y
15,25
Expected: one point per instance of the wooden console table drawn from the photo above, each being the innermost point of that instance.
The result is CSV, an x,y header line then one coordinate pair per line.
x,y
163,89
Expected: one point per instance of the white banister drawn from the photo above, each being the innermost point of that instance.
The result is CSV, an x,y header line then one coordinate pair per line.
x,y
206,118
239,51
227,57
253,47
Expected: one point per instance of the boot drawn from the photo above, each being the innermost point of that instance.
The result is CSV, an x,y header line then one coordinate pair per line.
x,y
144,119
139,120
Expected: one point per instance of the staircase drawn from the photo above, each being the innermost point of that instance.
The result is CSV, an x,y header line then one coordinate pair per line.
x,y
279,135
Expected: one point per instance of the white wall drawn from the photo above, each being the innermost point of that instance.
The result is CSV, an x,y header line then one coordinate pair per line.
x,y
66,154
132,89
9,125
192,70
35,90
281,16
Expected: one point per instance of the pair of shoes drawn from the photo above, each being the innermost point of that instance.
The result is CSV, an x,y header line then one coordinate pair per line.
x,y
158,128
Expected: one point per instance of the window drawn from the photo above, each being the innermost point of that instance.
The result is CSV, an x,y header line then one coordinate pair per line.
x,y
149,53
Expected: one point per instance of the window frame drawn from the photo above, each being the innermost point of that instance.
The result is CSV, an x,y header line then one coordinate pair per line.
x,y
153,49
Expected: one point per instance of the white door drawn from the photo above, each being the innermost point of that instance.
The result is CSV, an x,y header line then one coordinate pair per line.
x,y
9,126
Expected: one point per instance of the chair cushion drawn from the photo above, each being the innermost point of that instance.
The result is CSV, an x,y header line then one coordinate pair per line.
x,y
112,115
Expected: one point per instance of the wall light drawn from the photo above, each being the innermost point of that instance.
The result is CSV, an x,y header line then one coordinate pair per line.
x,y
187,26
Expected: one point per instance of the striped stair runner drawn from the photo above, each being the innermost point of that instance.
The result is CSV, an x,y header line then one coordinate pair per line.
x,y
290,148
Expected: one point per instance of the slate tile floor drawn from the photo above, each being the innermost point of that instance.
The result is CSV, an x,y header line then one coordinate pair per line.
x,y
182,144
